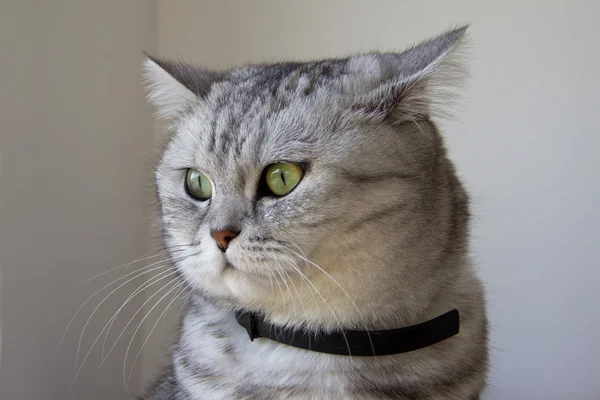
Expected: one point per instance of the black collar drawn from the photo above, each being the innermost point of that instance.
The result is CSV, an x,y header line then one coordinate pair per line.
x,y
356,343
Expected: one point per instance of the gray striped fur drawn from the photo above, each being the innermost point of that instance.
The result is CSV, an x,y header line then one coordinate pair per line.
x,y
380,214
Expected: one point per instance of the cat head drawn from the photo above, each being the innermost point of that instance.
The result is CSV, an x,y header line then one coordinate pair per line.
x,y
314,192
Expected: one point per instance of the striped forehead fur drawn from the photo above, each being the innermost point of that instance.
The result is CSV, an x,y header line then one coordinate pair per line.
x,y
375,235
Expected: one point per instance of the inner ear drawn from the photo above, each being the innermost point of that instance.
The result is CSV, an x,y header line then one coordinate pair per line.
x,y
197,80
413,85
395,102
173,86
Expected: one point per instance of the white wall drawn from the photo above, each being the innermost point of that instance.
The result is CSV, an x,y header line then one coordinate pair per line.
x,y
74,136
74,168
526,143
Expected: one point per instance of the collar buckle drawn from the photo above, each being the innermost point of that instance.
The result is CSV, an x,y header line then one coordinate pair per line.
x,y
248,321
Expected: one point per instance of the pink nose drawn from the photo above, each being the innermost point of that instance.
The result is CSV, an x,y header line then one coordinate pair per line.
x,y
223,238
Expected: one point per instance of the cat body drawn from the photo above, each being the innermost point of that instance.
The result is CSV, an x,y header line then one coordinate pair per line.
x,y
215,359
370,233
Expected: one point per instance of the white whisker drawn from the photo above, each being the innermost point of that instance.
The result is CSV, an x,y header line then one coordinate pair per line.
x,y
154,327
328,275
107,296
155,279
287,287
91,348
303,256
280,288
294,286
141,322
328,306
140,272
155,254
139,310
162,326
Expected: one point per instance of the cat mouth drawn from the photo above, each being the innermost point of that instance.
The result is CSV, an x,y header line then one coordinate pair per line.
x,y
228,266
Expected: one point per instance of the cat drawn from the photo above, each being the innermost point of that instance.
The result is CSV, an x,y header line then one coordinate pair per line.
x,y
319,196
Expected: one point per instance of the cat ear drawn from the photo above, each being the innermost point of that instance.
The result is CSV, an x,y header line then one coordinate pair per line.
x,y
172,86
412,85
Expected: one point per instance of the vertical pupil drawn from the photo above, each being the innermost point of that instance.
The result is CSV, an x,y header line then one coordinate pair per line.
x,y
282,177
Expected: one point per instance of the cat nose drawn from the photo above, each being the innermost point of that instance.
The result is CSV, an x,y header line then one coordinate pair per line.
x,y
223,238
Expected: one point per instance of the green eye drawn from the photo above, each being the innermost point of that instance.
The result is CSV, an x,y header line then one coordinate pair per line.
x,y
198,185
282,178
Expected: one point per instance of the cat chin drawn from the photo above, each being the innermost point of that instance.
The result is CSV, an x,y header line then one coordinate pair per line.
x,y
230,279
224,281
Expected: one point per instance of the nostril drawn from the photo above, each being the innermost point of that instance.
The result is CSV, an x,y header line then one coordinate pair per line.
x,y
223,237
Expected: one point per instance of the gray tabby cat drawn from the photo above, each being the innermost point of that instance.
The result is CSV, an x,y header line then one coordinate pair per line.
x,y
320,195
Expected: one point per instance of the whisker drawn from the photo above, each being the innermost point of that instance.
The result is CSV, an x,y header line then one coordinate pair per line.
x,y
268,275
328,306
141,322
329,276
191,287
303,276
303,256
280,289
92,347
155,279
287,287
111,321
145,257
140,272
343,290
107,296
162,327
294,286
139,310
152,330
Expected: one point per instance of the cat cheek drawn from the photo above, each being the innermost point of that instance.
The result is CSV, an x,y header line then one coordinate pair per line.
x,y
206,259
205,271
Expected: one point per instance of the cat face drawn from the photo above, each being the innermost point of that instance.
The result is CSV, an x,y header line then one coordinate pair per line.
x,y
286,183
